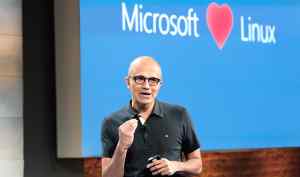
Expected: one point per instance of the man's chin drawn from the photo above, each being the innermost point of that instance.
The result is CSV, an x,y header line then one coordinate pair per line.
x,y
145,101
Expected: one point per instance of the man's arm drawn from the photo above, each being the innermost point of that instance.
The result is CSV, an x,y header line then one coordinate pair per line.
x,y
192,166
115,166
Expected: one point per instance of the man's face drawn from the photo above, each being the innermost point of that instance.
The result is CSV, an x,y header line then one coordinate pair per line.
x,y
143,82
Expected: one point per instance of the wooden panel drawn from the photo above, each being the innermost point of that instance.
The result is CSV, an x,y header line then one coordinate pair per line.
x,y
255,163
11,99
11,17
11,138
92,167
283,162
68,84
10,55
11,168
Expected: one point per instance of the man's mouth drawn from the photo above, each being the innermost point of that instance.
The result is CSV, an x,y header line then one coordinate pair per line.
x,y
145,93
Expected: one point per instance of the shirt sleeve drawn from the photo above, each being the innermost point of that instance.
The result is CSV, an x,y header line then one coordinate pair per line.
x,y
190,141
109,138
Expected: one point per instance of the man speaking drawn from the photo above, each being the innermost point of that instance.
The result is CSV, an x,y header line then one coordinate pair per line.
x,y
149,137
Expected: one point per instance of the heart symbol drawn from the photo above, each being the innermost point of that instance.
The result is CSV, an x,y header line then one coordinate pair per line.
x,y
219,21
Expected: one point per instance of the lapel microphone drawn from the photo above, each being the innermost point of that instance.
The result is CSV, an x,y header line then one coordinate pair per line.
x,y
136,116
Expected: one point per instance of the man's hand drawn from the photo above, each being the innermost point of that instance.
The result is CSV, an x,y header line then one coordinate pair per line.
x,y
163,167
126,133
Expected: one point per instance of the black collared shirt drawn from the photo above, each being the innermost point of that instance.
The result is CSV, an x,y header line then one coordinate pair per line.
x,y
168,132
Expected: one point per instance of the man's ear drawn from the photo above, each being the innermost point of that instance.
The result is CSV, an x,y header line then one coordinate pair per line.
x,y
126,79
161,84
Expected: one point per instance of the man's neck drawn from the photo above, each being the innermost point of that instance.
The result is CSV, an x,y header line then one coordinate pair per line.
x,y
144,109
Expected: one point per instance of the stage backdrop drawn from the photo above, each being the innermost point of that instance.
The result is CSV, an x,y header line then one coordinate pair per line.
x,y
233,64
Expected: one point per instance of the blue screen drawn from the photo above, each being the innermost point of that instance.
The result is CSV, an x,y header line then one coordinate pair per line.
x,y
233,64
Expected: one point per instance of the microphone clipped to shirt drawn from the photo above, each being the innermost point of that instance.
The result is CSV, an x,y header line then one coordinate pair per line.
x,y
136,116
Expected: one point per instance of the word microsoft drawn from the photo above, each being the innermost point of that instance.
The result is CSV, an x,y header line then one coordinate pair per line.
x,y
159,23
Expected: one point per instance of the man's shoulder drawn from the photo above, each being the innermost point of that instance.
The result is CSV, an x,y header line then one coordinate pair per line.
x,y
175,112
170,107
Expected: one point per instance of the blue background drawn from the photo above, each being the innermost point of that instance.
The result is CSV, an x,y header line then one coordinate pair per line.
x,y
244,96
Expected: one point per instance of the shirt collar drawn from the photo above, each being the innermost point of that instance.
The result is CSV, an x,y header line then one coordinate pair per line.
x,y
156,110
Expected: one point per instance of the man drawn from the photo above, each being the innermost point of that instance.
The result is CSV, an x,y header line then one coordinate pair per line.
x,y
148,127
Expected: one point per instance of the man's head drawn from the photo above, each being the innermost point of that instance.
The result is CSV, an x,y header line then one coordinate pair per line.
x,y
144,80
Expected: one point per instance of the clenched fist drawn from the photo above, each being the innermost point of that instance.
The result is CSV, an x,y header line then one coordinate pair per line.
x,y
126,133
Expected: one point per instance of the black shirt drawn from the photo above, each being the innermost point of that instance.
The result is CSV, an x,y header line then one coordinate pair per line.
x,y
168,132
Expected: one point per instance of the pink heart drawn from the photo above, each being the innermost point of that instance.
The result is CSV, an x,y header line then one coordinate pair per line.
x,y
219,21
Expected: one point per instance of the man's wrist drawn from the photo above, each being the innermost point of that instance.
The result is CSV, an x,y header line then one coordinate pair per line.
x,y
179,166
121,148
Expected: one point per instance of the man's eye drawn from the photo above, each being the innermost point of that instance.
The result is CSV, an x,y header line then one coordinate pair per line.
x,y
153,79
140,78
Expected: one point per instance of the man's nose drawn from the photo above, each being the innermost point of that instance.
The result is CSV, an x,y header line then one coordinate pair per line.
x,y
146,84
